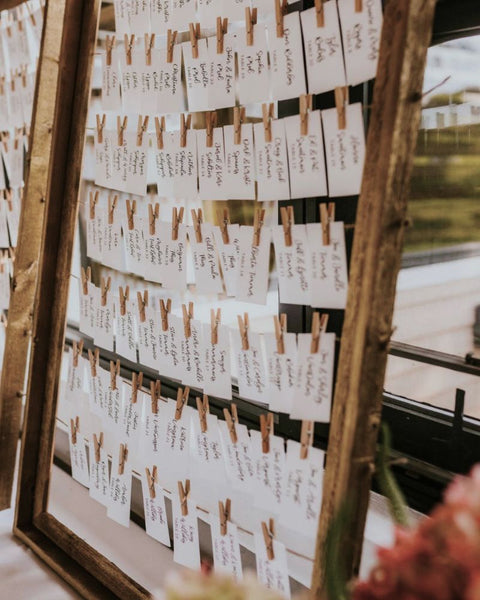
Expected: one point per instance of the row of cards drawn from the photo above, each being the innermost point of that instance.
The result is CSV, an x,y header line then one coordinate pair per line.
x,y
252,65
16,100
275,159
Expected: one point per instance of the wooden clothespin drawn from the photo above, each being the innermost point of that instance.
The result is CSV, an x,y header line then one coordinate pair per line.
x,y
266,429
137,380
114,373
327,216
268,112
341,102
306,438
141,129
250,21
358,5
121,126
280,329
286,214
319,324
129,43
153,214
215,320
280,11
159,129
171,37
238,119
165,309
243,325
197,218
176,221
109,46
210,123
142,304
86,276
257,225
155,389
185,124
183,493
149,43
194,29
224,222
152,477
131,211
182,400
222,29
93,201
74,429
112,205
122,458
268,535
77,348
305,105
93,359
100,127
104,289
123,296
225,512
97,445
203,409
232,419
187,317
319,13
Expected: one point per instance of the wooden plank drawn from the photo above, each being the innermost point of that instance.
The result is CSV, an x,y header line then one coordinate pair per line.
x,y
376,256
18,334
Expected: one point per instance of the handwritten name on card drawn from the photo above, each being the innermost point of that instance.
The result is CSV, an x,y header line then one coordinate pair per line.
x,y
78,456
282,371
156,524
253,70
193,356
118,504
206,451
218,377
126,331
229,253
197,73
208,279
99,478
293,265
111,83
186,550
221,91
252,374
186,173
174,439
160,16
87,309
226,550
253,266
211,165
240,163
167,82
173,268
269,471
147,338
271,162
132,416
104,158
183,12
272,573
238,457
164,172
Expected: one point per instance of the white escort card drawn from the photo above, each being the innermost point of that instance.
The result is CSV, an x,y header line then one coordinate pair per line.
x,y
221,90
253,70
99,478
273,573
78,454
306,160
197,74
361,32
323,49
95,218
153,257
286,58
160,16
269,471
111,80
156,524
282,371
206,453
173,269
118,504
208,279
174,345
131,63
218,377
252,373
228,246
293,265
253,265
125,327
104,141
104,317
238,456
149,444
148,69
329,277
211,164
345,150
148,323
186,174
87,292
208,11
164,172
113,250
235,11
183,12
167,80
132,412
98,382
239,163
114,410
130,164
75,391
186,549
174,440
193,354
271,161
226,550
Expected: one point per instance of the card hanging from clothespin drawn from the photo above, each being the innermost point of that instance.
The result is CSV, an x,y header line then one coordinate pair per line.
x,y
286,214
94,359
93,201
319,13
187,317
266,429
123,297
238,119
222,29
306,438
142,304
182,400
319,325
114,373
122,458
231,419
305,103
171,38
250,21
243,325
197,219
225,513
183,493
194,29
268,112
104,289
112,205
131,211
280,330
281,8
215,320
77,349
129,43
74,429
185,124
149,44
224,222
137,380
109,46
268,535
141,129
153,214
177,218
165,308
152,478
159,130
341,103
97,445
210,123
203,409
100,127
327,216
257,225
155,389
121,126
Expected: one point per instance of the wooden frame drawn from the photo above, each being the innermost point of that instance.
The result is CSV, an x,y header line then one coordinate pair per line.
x,y
381,217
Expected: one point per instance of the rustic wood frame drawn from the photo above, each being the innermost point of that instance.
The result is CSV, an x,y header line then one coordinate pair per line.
x,y
375,263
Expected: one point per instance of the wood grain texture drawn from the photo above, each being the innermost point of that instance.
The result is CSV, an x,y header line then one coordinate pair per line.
x,y
376,255
18,334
